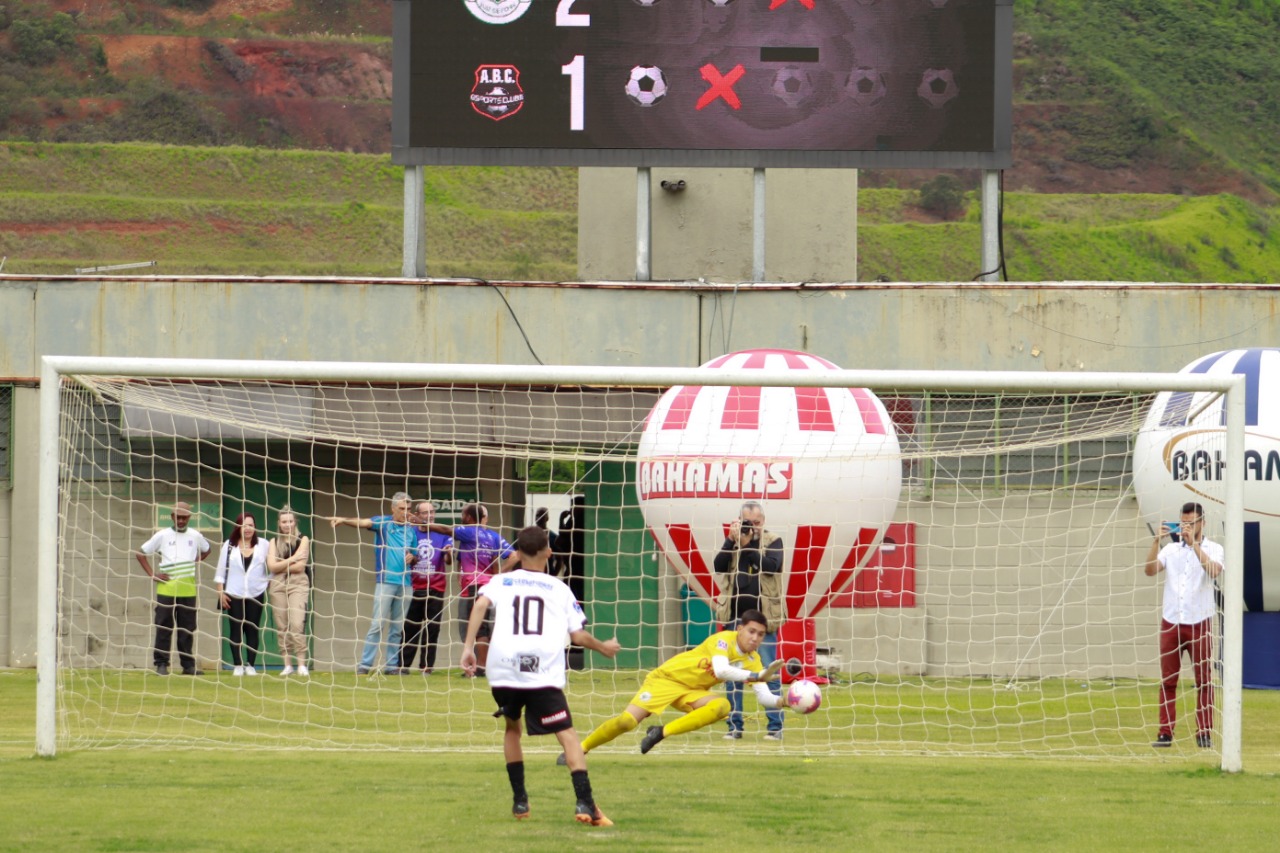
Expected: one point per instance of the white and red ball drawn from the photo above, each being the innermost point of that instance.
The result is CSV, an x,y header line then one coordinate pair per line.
x,y
823,462
803,696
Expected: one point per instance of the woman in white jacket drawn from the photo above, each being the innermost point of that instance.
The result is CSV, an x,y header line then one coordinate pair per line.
x,y
242,579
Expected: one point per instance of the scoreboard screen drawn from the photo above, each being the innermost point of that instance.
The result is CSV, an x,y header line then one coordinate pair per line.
x,y
759,83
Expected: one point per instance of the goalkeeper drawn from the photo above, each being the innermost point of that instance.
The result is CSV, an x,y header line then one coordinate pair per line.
x,y
685,682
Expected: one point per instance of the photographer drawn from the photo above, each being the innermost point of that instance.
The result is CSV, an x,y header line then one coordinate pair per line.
x,y
750,562
1191,563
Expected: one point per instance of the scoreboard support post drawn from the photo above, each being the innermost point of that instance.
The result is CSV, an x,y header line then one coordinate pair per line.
x,y
415,223
990,225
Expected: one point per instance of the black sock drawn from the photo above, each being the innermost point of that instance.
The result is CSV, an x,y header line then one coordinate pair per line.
x,y
515,772
582,787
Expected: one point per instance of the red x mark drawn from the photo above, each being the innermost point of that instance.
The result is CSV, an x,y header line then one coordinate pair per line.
x,y
808,4
721,86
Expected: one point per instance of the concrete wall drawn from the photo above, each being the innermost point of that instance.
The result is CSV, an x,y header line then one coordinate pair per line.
x,y
1092,326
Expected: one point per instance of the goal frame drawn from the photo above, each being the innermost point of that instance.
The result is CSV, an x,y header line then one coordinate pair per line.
x,y
54,368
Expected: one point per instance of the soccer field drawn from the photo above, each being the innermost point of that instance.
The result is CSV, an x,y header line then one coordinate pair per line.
x,y
254,799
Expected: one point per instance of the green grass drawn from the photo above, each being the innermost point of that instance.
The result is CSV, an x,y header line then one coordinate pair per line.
x,y
228,798
242,211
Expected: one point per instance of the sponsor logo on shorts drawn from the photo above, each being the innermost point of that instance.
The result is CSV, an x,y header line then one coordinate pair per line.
x,y
497,11
557,717
497,93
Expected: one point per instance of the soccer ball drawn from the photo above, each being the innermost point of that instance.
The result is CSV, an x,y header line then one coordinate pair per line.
x,y
792,85
647,2
937,86
866,86
803,696
647,85
721,2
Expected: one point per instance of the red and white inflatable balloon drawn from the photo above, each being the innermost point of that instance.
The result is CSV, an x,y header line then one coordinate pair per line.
x,y
823,462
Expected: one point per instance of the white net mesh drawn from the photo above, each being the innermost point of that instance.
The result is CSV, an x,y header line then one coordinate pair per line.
x,y
1001,608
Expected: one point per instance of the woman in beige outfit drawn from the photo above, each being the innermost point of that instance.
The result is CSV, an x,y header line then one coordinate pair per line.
x,y
290,588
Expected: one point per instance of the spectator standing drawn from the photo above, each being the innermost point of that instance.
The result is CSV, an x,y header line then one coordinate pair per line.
x,y
288,559
1191,563
430,583
180,549
749,570
394,540
242,580
481,553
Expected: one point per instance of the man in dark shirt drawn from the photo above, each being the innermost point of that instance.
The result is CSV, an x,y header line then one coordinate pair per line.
x,y
749,567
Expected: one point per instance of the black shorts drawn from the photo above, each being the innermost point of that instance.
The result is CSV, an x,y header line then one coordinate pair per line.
x,y
465,603
547,708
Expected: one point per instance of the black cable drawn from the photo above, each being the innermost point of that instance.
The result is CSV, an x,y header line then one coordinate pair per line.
x,y
512,312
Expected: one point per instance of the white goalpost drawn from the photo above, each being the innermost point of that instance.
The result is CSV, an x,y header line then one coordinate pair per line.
x,y
963,551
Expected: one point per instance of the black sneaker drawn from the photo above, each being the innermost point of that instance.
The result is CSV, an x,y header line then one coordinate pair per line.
x,y
162,669
651,738
1163,740
520,809
1204,740
191,670
733,734
584,813
561,761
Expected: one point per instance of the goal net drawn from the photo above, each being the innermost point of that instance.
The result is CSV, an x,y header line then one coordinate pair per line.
x,y
962,560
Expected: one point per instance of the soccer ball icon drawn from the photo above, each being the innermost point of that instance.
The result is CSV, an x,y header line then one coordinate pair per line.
x,y
648,2
937,86
866,86
647,85
721,2
803,696
793,86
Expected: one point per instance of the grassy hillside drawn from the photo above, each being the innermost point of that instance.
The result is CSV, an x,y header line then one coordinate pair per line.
x,y
1178,86
232,211
262,212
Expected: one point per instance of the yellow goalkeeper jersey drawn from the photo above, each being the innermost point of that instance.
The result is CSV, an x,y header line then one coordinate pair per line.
x,y
693,668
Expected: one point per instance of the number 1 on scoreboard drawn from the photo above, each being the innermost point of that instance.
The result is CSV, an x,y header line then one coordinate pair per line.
x,y
576,71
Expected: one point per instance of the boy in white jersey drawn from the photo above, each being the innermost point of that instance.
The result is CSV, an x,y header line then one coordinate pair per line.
x,y
532,613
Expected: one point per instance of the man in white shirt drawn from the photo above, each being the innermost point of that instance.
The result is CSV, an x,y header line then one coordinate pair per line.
x,y
1191,563
532,614
180,549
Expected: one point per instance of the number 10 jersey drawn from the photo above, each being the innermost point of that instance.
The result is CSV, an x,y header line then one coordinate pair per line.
x,y
532,615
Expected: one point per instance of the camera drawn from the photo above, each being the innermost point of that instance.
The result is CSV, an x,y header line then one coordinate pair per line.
x,y
746,524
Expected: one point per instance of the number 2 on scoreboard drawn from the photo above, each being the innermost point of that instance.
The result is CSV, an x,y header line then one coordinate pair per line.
x,y
565,18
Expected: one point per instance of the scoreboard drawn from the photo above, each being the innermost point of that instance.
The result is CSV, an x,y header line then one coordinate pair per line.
x,y
757,83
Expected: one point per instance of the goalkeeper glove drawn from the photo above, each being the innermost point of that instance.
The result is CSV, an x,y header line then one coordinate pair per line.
x,y
771,672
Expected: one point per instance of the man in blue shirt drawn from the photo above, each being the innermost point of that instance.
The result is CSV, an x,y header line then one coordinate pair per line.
x,y
394,539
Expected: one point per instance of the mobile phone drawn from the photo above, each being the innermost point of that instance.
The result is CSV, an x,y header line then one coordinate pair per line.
x,y
1173,528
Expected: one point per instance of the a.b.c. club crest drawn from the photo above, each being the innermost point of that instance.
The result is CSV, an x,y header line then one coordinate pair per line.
x,y
497,93
498,11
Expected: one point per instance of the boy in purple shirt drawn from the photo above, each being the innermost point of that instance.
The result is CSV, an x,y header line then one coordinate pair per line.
x,y
481,553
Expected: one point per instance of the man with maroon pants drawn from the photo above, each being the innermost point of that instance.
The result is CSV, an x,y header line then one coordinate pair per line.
x,y
1190,563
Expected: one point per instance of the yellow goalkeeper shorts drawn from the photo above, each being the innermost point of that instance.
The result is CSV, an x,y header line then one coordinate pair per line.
x,y
658,693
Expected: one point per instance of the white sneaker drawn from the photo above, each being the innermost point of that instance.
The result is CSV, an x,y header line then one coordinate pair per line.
x,y
302,670
248,670
238,671
288,670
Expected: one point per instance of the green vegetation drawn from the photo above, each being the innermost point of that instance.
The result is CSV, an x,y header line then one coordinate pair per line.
x,y
1182,83
241,211
232,799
